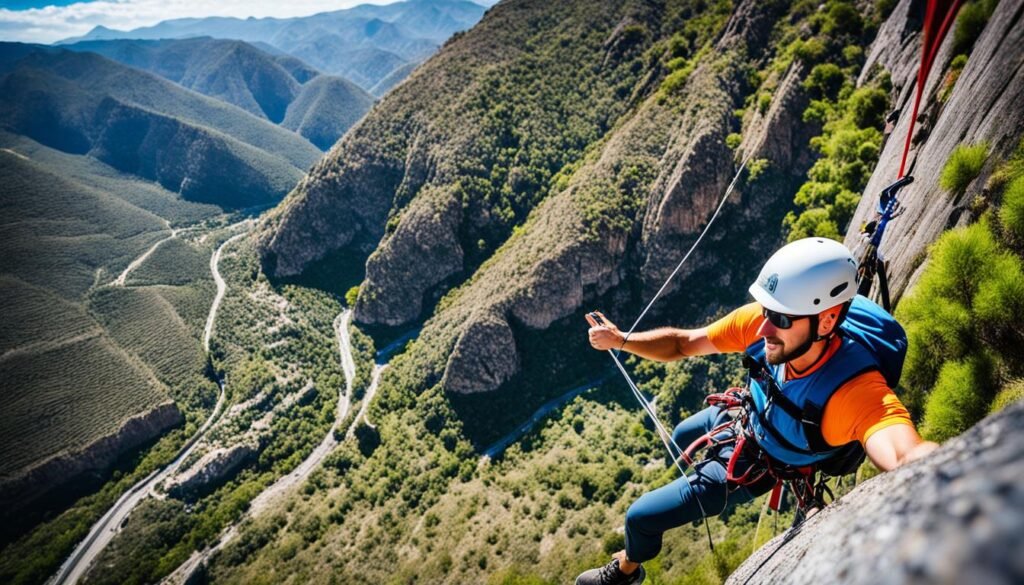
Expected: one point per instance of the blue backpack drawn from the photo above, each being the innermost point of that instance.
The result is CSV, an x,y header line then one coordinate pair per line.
x,y
885,344
880,333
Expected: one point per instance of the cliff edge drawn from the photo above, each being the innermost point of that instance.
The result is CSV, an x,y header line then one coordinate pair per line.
x,y
953,517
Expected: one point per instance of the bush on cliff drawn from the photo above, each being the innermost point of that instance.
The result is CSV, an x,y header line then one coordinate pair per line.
x,y
966,354
963,166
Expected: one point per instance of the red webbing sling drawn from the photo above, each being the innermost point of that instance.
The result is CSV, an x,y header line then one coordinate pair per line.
x,y
938,17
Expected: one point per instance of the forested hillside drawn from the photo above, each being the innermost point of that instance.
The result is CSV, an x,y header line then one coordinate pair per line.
x,y
82,103
408,393
497,225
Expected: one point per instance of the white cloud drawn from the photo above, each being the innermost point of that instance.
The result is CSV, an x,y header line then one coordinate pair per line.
x,y
52,23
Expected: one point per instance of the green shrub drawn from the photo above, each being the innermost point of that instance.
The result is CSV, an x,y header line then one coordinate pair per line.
x,y
958,399
964,165
733,140
870,105
810,51
824,81
351,295
1009,394
1011,213
970,22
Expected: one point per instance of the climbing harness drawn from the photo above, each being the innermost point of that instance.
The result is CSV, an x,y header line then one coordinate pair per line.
x,y
809,493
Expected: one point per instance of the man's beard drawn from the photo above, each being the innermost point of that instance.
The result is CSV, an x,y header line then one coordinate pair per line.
x,y
785,355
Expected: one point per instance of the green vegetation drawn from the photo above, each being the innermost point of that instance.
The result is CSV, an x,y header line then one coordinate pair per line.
x,y
963,166
325,108
137,123
970,22
829,46
278,352
1011,212
965,348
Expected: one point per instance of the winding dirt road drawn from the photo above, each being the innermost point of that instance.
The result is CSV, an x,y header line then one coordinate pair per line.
x,y
120,280
103,531
262,502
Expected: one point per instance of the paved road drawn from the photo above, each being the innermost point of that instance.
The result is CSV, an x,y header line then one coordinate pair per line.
x,y
106,528
503,443
222,288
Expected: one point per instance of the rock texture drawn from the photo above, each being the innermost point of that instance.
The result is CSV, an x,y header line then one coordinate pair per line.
x,y
211,470
985,105
35,483
953,518
566,257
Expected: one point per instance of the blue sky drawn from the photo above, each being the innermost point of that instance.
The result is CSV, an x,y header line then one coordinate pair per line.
x,y
23,4
36,21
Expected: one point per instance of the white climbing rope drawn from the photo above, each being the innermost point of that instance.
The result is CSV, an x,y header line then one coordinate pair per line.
x,y
674,451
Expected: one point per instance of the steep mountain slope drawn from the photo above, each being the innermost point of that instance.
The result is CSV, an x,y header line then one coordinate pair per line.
x,y
983,107
231,71
209,151
75,398
447,194
325,109
276,88
364,43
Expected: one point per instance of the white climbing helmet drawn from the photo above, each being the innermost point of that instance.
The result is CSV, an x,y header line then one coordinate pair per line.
x,y
806,277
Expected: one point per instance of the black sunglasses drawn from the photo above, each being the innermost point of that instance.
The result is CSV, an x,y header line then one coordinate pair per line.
x,y
782,320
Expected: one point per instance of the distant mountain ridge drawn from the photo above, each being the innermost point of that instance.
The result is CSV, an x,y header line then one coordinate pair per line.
x,y
206,150
261,83
365,43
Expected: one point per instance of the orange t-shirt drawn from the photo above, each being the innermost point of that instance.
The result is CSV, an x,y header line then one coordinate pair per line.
x,y
861,406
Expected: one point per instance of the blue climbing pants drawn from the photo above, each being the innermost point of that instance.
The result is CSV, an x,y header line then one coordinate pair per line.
x,y
679,502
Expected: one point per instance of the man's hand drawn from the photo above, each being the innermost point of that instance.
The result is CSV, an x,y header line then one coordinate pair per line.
x,y
605,335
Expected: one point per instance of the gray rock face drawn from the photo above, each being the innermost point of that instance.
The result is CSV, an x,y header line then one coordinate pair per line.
x,y
954,517
484,357
985,105
557,266
211,470
422,252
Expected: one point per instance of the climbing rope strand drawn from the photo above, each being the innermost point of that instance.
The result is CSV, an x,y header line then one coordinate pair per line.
x,y
666,438
721,204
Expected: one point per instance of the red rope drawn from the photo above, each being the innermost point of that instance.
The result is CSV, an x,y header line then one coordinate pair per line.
x,y
929,48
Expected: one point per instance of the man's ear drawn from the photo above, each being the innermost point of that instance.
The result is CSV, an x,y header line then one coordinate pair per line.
x,y
827,321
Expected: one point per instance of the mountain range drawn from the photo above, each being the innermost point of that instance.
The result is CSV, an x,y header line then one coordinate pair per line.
x,y
279,88
364,44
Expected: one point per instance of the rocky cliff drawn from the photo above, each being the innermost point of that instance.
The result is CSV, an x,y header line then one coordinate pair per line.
x,y
985,106
418,187
953,517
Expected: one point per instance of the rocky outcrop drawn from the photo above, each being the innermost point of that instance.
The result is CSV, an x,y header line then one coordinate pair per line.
x,y
36,482
985,106
569,255
211,470
422,252
484,356
458,132
954,517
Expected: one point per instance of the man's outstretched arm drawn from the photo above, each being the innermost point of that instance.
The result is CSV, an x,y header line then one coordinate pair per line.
x,y
663,345
896,445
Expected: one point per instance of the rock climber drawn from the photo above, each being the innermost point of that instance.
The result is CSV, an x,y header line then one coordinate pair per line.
x,y
801,296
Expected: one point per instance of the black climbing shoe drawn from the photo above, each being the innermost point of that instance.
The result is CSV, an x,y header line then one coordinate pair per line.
x,y
611,575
